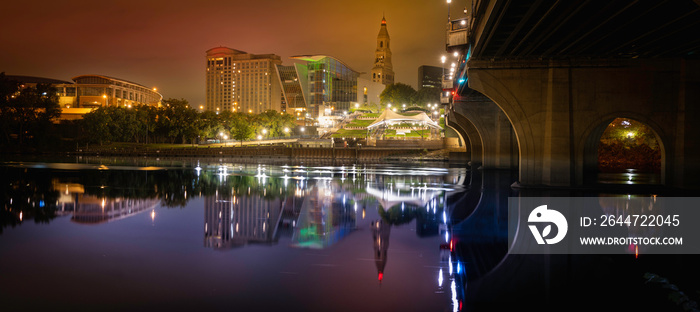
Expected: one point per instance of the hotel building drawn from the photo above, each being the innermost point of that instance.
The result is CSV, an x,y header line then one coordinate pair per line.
x,y
237,81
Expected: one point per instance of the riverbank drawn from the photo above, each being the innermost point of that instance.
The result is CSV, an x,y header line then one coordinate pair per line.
x,y
275,153
270,152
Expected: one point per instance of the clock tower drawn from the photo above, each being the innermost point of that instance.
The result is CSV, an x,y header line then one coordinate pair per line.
x,y
383,71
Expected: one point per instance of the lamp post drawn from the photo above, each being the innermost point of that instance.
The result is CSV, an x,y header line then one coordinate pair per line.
x,y
104,97
448,9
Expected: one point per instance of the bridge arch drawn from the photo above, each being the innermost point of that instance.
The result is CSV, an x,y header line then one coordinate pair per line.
x,y
490,86
591,138
471,132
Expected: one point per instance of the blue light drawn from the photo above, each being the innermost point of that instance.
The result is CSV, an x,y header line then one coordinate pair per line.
x,y
462,80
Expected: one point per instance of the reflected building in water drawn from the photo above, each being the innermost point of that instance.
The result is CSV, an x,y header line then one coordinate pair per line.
x,y
325,218
380,238
91,209
236,220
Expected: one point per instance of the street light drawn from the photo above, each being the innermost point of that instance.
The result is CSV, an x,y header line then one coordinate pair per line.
x,y
448,9
104,96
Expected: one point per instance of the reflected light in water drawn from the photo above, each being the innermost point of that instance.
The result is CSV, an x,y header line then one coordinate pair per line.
x,y
440,278
455,303
153,215
450,262
20,216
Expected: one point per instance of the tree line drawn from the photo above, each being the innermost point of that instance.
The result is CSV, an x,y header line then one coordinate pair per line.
x,y
176,122
28,116
401,93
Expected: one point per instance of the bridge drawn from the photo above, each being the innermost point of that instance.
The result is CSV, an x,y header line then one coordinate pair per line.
x,y
537,82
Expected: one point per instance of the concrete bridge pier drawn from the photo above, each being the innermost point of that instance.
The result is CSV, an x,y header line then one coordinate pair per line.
x,y
492,141
559,110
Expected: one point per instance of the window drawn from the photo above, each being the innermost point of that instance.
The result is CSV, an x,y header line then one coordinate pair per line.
x,y
381,44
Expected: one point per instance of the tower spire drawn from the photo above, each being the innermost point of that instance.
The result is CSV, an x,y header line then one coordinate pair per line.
x,y
382,71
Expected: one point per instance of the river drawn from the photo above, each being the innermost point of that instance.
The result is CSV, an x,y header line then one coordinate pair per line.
x,y
186,234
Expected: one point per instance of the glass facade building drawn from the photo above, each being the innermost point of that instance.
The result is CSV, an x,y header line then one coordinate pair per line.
x,y
332,85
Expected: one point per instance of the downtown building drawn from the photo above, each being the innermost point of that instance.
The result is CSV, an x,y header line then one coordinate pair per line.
x,y
238,81
430,77
320,85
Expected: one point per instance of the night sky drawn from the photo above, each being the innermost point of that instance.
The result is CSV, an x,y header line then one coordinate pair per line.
x,y
163,43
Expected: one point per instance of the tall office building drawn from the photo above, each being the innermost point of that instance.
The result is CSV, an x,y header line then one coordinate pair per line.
x,y
242,82
430,76
383,70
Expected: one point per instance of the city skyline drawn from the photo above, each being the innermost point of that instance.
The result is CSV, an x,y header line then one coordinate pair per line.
x,y
162,44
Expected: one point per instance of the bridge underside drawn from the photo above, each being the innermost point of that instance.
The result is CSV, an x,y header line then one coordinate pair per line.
x,y
558,110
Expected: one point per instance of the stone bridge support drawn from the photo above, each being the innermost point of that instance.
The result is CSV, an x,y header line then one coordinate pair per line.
x,y
559,109
496,136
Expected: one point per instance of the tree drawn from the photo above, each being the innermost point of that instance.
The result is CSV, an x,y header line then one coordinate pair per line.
x,y
95,126
241,127
427,95
397,93
27,111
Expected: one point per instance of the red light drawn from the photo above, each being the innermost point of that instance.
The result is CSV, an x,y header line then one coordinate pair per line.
x,y
452,244
460,305
381,275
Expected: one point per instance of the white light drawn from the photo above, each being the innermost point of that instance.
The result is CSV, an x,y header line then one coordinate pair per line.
x,y
456,54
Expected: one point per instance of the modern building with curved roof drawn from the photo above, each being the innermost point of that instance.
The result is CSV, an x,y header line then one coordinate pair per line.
x,y
88,92
91,91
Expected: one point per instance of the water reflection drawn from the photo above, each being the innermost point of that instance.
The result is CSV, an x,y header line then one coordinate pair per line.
x,y
323,207
380,237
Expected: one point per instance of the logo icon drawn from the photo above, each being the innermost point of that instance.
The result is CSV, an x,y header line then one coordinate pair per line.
x,y
542,214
